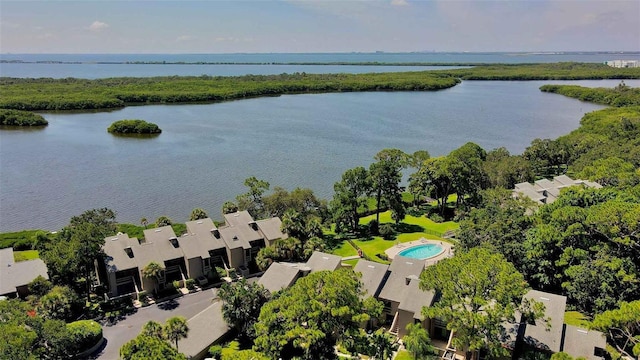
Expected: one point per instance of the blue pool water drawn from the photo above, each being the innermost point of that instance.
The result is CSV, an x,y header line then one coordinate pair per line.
x,y
422,251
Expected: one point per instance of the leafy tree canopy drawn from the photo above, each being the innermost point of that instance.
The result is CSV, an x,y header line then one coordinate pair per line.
x,y
198,214
148,347
308,319
479,292
241,304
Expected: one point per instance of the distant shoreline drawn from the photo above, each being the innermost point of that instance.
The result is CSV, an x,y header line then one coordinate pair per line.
x,y
345,63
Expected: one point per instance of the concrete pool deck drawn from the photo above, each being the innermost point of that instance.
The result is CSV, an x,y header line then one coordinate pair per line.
x,y
447,249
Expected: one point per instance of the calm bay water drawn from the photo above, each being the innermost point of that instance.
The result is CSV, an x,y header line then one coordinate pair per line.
x,y
206,151
91,66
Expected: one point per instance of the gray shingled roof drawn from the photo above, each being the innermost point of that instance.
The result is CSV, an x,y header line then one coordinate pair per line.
x,y
547,191
373,276
414,299
401,269
203,230
564,180
199,239
239,226
279,276
322,261
116,256
146,253
205,328
118,259
580,342
538,335
271,228
15,274
161,238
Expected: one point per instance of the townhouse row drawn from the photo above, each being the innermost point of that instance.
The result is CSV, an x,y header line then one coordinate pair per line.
x,y
193,255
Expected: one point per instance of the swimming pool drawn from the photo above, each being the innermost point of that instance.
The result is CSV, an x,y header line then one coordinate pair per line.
x,y
422,252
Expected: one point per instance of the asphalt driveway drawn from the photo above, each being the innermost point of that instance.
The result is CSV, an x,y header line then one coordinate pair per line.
x,y
188,306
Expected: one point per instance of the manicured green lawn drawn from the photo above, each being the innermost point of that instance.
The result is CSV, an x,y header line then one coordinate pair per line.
x,y
424,222
345,249
351,262
575,318
25,255
414,228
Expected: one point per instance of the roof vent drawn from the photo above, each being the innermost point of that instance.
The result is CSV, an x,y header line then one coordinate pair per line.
x,y
409,278
174,242
199,222
544,298
325,257
235,238
158,230
583,331
371,266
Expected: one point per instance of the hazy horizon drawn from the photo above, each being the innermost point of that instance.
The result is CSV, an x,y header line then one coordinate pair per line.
x,y
541,52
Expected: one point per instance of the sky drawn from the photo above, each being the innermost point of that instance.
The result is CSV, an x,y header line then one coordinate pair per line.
x,y
269,26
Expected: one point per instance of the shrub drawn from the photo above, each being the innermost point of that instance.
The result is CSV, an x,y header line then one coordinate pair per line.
x,y
163,221
21,118
39,286
436,218
133,127
215,351
386,231
372,227
383,256
221,272
176,284
191,284
415,211
84,334
19,241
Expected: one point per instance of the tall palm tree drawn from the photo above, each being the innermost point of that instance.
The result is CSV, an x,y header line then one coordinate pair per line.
x,y
383,345
176,328
153,329
417,342
153,270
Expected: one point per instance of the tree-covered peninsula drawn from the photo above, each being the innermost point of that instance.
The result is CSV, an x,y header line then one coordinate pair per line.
x,y
21,118
550,71
80,94
621,95
134,126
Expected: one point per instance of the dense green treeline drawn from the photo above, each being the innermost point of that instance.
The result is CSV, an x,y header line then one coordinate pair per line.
x,y
21,118
621,95
133,127
612,133
553,71
68,94
586,244
81,94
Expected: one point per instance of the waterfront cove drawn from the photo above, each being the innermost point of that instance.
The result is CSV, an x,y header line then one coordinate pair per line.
x,y
206,151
